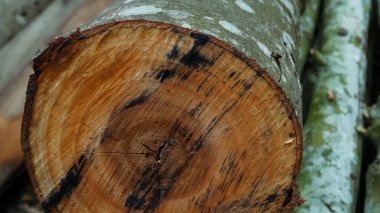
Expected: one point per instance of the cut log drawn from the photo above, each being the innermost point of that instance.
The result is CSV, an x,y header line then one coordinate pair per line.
x,y
372,197
14,15
136,113
332,146
17,53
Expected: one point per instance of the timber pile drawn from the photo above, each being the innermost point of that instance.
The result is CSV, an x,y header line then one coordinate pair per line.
x,y
192,106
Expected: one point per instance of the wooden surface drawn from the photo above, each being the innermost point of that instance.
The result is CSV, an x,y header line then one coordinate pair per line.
x,y
12,98
148,117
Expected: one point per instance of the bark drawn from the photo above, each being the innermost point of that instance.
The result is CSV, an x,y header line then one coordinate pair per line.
x,y
372,199
165,98
18,52
308,24
332,151
14,15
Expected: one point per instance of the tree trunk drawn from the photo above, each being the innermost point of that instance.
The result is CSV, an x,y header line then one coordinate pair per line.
x,y
332,146
372,199
138,113
14,15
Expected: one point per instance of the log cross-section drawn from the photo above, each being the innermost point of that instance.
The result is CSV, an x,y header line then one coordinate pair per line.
x,y
143,116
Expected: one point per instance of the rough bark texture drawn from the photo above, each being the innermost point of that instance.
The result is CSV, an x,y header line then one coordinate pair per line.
x,y
308,24
332,146
18,52
16,14
372,199
144,115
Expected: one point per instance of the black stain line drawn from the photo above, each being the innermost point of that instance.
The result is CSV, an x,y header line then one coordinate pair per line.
x,y
288,196
137,101
193,58
270,199
164,75
174,53
66,185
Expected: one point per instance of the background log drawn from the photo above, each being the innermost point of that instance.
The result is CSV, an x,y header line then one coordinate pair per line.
x,y
332,153
15,55
308,24
16,14
155,117
372,197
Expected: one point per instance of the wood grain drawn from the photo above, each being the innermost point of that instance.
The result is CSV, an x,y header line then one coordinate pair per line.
x,y
141,116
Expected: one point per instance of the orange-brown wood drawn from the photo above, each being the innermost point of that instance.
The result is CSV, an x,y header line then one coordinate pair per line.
x,y
140,116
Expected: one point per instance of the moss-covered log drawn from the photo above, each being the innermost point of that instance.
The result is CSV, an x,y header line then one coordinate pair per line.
x,y
16,14
372,199
332,146
169,106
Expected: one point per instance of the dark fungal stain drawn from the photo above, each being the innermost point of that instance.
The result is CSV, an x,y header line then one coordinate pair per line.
x,y
164,75
271,198
174,53
66,186
134,202
193,58
137,101
288,196
147,183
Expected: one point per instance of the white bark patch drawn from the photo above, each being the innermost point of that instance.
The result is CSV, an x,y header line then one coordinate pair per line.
x,y
141,10
244,6
264,48
288,5
288,39
186,25
128,1
230,27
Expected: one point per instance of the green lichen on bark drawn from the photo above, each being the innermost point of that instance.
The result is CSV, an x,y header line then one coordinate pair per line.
x,y
330,169
372,199
308,23
257,28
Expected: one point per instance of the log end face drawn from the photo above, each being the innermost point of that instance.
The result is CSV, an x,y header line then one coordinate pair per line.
x,y
146,116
